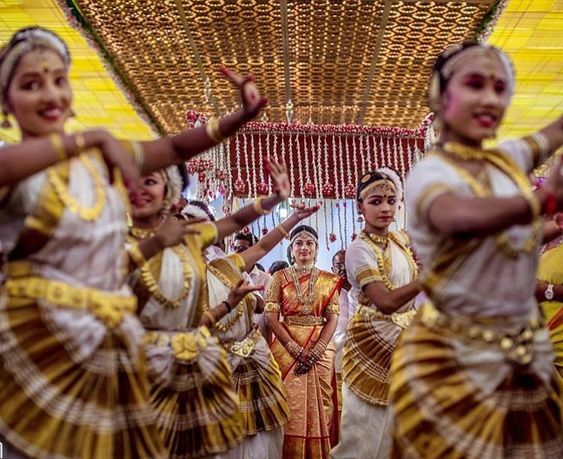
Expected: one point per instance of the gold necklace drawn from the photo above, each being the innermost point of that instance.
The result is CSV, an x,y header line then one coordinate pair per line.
x,y
141,233
225,327
70,202
505,165
187,274
307,299
378,239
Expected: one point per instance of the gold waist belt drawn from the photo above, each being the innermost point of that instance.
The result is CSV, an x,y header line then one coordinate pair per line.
x,y
517,346
306,321
108,307
185,345
401,319
245,347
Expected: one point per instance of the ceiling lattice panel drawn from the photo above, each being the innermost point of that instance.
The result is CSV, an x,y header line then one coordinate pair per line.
x,y
339,61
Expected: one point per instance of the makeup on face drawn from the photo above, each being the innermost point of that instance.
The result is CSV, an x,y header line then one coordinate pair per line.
x,y
39,95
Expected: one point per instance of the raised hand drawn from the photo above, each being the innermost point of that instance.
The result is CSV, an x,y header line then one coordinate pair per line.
x,y
301,211
116,157
280,179
239,291
251,100
172,230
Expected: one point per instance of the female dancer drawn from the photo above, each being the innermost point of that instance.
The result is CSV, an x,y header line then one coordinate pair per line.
x,y
197,409
549,292
473,376
69,338
383,274
307,298
256,375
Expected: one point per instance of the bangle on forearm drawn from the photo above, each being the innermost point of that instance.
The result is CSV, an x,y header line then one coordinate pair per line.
x,y
58,146
294,349
258,208
138,155
212,319
228,305
213,131
80,143
282,230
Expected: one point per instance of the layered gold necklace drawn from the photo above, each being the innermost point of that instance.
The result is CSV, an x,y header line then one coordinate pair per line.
x,y
505,165
306,300
150,282
70,202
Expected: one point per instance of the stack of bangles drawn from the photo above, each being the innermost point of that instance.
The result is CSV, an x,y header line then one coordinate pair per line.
x,y
317,352
294,349
57,144
210,315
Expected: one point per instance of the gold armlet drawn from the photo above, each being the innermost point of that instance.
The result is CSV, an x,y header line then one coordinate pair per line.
x,y
57,144
213,131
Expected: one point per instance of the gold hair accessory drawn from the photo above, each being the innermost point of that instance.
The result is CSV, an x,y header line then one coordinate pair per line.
x,y
213,131
56,142
383,182
258,208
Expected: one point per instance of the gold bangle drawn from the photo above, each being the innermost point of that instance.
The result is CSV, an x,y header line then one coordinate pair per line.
x,y
210,317
136,255
258,208
139,155
57,144
282,230
80,142
213,131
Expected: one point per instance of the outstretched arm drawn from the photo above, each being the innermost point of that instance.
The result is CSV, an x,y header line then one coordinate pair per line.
x,y
163,152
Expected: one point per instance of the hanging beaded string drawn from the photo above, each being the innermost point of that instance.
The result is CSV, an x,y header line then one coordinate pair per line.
x,y
364,156
349,161
301,171
325,213
395,154
229,184
332,217
253,162
339,172
343,159
237,150
315,154
380,155
345,242
275,156
291,170
388,163
268,155
402,159
355,158
261,160
369,153
247,164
